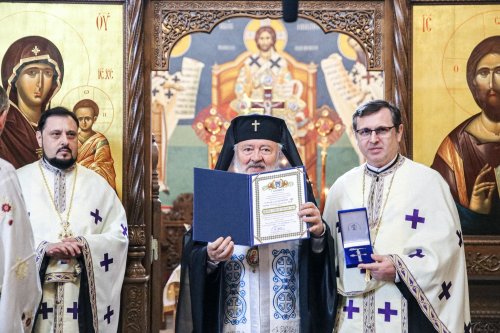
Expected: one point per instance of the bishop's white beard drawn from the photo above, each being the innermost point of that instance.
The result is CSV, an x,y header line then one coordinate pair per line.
x,y
238,168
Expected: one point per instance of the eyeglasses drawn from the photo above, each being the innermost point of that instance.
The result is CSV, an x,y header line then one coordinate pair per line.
x,y
381,131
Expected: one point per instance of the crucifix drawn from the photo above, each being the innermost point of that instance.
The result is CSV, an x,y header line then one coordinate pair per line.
x,y
267,104
357,254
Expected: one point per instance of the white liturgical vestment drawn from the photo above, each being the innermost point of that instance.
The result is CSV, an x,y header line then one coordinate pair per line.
x,y
83,290
19,285
414,221
263,297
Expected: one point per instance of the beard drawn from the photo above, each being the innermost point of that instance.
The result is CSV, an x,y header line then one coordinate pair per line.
x,y
492,110
238,168
59,163
490,104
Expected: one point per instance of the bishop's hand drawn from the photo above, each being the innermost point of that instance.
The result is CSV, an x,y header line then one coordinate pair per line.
x,y
221,249
310,213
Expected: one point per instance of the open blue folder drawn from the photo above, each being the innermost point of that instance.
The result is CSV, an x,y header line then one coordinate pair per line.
x,y
223,206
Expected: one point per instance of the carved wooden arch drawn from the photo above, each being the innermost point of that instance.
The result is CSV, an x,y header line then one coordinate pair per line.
x,y
176,19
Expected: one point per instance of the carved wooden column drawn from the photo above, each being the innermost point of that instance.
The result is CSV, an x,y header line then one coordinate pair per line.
x,y
400,81
134,305
173,229
134,291
157,283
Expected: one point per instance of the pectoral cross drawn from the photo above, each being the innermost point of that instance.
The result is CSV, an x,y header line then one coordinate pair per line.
x,y
358,254
267,104
66,232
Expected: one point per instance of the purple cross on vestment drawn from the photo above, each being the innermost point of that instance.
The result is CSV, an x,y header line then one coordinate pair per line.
x,y
155,91
415,219
108,314
176,79
44,310
96,216
350,309
124,230
467,327
460,241
387,311
445,293
73,310
418,253
106,262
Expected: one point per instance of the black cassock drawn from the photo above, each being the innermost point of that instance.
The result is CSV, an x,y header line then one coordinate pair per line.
x,y
200,307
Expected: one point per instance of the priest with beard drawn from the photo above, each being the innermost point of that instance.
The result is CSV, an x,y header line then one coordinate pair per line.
x,y
80,231
469,157
207,302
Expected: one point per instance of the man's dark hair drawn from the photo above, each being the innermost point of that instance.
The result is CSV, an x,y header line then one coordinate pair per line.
x,y
58,111
374,107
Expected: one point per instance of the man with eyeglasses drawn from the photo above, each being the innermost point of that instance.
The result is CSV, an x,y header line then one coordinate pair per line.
x,y
417,281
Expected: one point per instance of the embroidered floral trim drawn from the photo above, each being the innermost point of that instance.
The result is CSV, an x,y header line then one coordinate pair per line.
x,y
6,207
60,277
21,269
89,266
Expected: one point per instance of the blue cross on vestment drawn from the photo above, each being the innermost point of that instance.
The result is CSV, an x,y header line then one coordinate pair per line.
x,y
108,314
387,311
44,310
418,253
415,219
73,310
350,309
233,271
124,230
275,63
106,262
169,94
234,307
445,293
285,266
96,216
286,301
459,234
254,61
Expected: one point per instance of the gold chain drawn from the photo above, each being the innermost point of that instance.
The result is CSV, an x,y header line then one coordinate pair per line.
x,y
379,220
66,232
